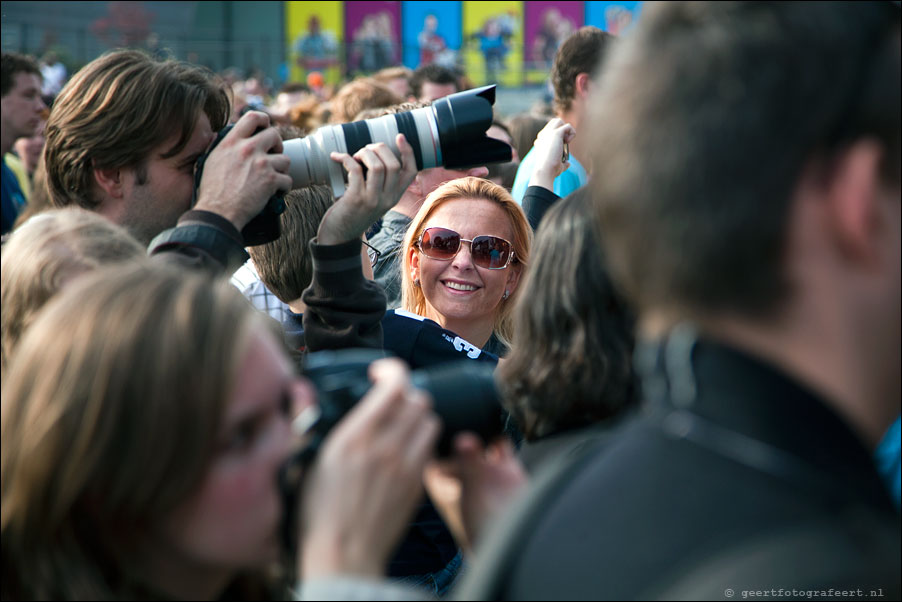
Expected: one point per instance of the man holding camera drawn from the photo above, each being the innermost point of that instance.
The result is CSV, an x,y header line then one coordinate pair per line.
x,y
123,139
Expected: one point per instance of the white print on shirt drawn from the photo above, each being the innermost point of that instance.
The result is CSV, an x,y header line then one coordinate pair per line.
x,y
461,345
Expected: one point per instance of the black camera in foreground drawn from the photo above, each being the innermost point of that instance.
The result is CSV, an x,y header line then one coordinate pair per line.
x,y
463,393
450,133
464,397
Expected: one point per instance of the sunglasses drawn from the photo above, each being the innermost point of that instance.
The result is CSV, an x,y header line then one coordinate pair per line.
x,y
490,252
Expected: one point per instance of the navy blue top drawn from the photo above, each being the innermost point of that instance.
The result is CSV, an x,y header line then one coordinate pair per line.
x,y
419,341
422,342
12,199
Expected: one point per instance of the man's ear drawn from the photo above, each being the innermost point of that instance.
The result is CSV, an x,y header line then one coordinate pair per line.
x,y
582,82
853,197
110,182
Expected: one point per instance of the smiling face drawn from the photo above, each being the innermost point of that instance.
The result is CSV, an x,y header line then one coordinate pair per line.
x,y
460,295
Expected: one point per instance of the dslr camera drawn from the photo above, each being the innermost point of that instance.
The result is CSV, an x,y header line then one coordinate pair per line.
x,y
464,396
450,133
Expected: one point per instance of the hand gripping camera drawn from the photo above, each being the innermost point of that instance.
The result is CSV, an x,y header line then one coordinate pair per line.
x,y
464,396
450,133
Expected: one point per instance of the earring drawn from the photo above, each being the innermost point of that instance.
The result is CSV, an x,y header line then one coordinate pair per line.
x,y
416,282
506,294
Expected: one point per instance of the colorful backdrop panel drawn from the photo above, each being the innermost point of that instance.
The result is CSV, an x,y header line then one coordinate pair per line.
x,y
493,42
613,17
314,32
431,32
546,25
373,36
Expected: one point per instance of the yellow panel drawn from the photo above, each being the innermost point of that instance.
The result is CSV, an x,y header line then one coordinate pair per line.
x,y
509,16
297,19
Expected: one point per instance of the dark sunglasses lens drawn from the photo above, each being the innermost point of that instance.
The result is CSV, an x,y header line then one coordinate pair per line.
x,y
440,243
490,252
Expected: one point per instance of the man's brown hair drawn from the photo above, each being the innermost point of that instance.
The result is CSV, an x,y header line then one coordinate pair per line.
x,y
285,265
384,76
403,107
116,110
582,52
436,74
12,63
360,94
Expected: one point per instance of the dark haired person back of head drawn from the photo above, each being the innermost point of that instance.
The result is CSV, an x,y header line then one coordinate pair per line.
x,y
568,377
285,265
747,180
433,81
577,59
20,87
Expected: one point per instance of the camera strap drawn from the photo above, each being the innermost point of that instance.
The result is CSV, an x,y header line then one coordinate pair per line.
x,y
673,386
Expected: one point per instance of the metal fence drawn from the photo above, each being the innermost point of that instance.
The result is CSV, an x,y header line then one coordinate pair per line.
x,y
77,46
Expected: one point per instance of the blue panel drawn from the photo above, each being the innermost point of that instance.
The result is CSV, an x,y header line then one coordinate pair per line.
x,y
413,17
614,17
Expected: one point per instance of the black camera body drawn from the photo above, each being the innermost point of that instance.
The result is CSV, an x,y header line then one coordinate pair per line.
x,y
464,393
264,227
464,396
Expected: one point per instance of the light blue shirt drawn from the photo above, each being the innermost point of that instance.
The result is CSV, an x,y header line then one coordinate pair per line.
x,y
564,184
888,460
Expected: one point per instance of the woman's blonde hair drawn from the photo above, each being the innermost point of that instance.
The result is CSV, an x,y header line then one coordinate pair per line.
x,y
111,414
412,297
46,251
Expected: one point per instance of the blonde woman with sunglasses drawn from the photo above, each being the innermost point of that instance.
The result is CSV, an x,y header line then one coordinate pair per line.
x,y
464,253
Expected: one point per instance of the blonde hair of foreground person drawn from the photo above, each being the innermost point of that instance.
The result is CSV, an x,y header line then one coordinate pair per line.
x,y
44,254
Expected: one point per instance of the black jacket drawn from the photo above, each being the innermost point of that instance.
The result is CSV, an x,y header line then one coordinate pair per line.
x,y
734,478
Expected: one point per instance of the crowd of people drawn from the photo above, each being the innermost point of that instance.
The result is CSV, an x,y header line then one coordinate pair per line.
x,y
686,282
